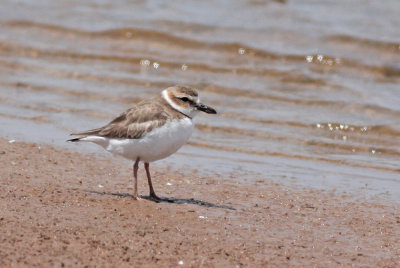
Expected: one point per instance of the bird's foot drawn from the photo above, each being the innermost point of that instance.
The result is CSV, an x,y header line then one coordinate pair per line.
x,y
137,198
154,197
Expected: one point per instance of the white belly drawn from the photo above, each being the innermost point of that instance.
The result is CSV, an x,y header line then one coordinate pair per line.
x,y
155,145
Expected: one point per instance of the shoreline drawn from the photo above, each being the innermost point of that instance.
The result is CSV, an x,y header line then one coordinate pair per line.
x,y
61,207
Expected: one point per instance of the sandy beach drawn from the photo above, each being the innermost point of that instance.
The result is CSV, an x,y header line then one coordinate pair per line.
x,y
61,208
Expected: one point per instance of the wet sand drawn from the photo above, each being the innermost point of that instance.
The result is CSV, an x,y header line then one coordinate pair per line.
x,y
304,92
62,208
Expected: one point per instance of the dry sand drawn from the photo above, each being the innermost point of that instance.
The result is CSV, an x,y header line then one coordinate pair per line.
x,y
53,213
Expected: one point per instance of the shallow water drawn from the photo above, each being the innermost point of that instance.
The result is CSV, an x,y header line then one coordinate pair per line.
x,y
307,93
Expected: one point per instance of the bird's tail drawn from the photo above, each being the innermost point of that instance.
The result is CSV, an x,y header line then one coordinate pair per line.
x,y
75,139
84,135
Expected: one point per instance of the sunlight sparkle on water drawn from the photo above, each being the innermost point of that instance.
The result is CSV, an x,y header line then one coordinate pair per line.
x,y
241,51
144,62
342,127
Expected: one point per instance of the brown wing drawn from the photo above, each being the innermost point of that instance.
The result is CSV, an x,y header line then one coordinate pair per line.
x,y
133,123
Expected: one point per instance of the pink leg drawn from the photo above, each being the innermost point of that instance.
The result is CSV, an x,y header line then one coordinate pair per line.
x,y
152,193
135,171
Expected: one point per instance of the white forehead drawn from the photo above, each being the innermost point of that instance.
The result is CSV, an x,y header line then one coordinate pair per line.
x,y
190,111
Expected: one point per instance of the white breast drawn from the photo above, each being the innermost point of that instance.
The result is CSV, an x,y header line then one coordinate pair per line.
x,y
155,145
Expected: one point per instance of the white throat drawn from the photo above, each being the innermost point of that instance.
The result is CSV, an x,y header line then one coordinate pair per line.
x,y
188,111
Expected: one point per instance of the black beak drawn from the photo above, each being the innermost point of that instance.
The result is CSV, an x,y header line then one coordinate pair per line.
x,y
205,108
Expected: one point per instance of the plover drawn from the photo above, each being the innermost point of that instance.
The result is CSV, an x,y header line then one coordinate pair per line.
x,y
151,130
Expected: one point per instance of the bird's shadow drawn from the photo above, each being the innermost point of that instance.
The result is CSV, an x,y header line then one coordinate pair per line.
x,y
171,200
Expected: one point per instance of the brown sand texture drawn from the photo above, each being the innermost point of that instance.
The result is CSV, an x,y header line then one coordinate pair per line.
x,y
63,209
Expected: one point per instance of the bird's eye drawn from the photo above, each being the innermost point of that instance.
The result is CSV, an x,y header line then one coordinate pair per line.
x,y
184,99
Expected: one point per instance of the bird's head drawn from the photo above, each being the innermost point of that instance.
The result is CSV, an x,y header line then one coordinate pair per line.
x,y
185,100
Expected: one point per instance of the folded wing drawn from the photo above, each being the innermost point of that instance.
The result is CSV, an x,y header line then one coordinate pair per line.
x,y
134,123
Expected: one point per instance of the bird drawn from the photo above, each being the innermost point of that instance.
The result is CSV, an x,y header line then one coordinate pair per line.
x,y
150,130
